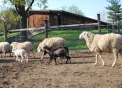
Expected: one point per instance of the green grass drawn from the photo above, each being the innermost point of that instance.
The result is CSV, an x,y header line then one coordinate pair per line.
x,y
9,35
71,37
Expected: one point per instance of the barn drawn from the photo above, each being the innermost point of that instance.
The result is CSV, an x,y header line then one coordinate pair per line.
x,y
57,17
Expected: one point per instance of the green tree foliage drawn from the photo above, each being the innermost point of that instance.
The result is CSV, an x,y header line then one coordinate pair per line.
x,y
114,11
73,9
22,7
42,5
9,17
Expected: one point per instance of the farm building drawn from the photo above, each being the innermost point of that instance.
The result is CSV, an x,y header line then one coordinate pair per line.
x,y
57,17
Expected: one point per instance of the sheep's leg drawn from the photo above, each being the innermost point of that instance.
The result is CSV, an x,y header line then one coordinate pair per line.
x,y
67,59
1,54
10,54
28,54
100,55
115,58
22,58
13,57
121,56
50,60
4,54
33,54
60,59
17,58
96,59
26,58
55,61
42,55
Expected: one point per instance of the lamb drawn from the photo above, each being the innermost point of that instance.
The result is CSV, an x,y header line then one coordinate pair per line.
x,y
20,52
50,42
4,48
111,43
27,46
56,52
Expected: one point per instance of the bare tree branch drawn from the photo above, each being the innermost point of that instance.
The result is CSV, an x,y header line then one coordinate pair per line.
x,y
30,5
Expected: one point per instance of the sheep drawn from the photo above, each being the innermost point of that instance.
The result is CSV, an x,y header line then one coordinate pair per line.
x,y
27,46
111,43
57,52
50,42
4,48
20,52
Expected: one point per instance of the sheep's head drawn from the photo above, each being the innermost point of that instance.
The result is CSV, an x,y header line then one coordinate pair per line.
x,y
38,50
47,48
13,50
83,35
13,44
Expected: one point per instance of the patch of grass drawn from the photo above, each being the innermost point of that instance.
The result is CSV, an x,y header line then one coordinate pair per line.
x,y
9,35
13,34
71,37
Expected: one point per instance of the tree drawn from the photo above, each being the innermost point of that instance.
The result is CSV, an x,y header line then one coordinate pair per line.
x,y
42,4
22,7
114,13
73,9
8,19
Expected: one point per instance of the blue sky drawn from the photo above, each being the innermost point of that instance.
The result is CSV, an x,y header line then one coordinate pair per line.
x,y
89,7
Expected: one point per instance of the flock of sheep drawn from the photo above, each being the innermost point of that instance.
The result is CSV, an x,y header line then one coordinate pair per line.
x,y
56,47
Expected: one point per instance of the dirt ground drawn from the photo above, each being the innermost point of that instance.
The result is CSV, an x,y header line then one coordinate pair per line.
x,y
81,73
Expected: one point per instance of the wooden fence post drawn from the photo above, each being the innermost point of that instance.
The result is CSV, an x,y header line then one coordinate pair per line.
x,y
99,24
5,33
46,27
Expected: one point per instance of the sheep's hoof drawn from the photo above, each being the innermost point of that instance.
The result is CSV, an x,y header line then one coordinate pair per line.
x,y
104,64
18,60
95,64
56,64
112,65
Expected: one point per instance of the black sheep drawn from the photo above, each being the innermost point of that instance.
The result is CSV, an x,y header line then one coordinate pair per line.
x,y
56,52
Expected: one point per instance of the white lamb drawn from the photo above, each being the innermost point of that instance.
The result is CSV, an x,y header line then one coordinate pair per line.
x,y
111,43
4,48
20,52
50,42
27,46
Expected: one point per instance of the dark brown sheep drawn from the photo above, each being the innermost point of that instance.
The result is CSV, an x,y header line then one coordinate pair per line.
x,y
56,52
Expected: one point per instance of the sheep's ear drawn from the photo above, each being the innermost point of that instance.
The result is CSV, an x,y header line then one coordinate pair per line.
x,y
87,35
44,47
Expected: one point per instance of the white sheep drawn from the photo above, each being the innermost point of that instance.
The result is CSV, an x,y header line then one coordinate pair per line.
x,y
20,52
50,42
111,43
4,48
27,46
